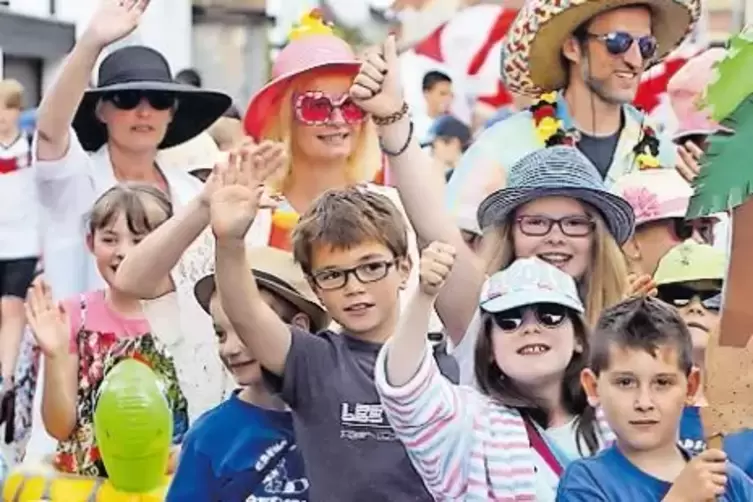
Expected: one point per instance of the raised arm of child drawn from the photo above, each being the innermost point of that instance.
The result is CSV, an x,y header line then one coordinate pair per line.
x,y
233,207
433,418
144,269
378,90
51,327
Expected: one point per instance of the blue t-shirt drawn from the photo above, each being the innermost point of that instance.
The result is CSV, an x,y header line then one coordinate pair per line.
x,y
738,446
611,477
240,452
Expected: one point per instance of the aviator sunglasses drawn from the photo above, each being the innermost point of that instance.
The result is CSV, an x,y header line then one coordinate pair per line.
x,y
548,315
129,100
619,42
318,108
681,296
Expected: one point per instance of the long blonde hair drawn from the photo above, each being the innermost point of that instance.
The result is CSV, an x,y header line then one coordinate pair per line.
x,y
365,161
605,281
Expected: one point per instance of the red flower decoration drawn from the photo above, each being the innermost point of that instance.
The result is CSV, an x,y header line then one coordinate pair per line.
x,y
543,112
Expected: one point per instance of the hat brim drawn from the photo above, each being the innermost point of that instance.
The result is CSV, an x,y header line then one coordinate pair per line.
x,y
513,301
261,105
197,109
617,213
671,19
707,131
320,320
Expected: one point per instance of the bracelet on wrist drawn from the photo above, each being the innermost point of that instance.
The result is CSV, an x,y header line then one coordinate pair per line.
x,y
391,118
402,149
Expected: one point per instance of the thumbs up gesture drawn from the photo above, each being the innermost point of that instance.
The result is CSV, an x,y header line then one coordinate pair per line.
x,y
377,88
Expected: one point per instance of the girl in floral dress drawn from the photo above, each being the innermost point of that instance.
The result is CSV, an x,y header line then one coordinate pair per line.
x,y
84,336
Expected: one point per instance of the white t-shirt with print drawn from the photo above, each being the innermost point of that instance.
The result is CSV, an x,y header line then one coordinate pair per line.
x,y
19,212
67,189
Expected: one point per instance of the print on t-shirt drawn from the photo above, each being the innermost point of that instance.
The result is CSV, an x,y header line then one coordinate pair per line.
x,y
360,421
277,485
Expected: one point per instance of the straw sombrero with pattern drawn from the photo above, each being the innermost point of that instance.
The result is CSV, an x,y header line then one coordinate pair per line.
x,y
531,52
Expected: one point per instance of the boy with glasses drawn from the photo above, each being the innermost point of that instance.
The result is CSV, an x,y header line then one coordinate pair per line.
x,y
352,245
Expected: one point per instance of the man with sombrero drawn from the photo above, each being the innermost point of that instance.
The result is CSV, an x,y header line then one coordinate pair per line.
x,y
119,126
581,61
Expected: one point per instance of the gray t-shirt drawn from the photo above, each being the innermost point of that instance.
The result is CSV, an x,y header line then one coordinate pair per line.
x,y
350,450
600,150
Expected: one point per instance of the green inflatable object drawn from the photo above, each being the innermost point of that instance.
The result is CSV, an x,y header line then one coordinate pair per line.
x,y
133,424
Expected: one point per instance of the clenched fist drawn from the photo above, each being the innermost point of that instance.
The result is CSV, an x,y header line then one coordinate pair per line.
x,y
435,265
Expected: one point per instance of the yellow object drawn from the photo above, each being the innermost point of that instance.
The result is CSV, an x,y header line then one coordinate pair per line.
x,y
32,484
647,161
547,128
285,220
311,23
549,97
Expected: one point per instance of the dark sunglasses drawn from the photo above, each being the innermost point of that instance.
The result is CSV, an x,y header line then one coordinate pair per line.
x,y
684,229
681,296
538,226
128,100
619,42
548,315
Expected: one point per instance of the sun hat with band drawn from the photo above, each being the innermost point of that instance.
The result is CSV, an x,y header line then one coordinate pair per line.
x,y
313,46
532,51
654,194
527,281
130,73
276,271
557,171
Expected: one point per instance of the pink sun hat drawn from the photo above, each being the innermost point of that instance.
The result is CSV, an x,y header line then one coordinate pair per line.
x,y
654,194
686,87
313,45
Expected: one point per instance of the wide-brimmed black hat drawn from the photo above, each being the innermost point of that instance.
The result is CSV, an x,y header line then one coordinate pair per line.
x,y
144,69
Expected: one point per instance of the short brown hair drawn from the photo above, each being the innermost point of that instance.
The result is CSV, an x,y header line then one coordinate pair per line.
x,y
640,323
11,93
131,199
348,217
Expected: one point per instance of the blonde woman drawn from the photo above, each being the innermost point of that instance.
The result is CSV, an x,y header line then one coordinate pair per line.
x,y
555,207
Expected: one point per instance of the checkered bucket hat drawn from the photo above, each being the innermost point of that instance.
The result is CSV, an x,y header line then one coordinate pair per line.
x,y
558,171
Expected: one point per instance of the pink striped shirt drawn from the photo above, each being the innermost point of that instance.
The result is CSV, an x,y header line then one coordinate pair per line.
x,y
465,446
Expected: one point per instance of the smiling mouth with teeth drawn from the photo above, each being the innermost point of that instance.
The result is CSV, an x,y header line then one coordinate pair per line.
x,y
533,349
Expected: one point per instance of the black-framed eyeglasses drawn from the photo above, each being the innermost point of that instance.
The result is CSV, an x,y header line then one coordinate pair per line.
x,y
128,100
538,225
680,296
372,271
548,315
619,42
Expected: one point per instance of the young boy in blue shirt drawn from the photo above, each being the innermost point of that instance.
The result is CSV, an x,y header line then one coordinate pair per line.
x,y
641,374
245,449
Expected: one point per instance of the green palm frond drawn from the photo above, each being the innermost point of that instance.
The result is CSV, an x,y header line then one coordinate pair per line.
x,y
733,77
726,178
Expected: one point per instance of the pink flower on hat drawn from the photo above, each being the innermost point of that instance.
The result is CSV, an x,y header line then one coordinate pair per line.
x,y
645,203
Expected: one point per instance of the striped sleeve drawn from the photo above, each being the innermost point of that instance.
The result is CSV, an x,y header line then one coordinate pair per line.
x,y
434,419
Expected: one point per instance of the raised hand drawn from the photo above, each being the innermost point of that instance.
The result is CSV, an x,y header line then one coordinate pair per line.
x,y
114,20
434,267
641,285
377,87
240,190
702,480
48,321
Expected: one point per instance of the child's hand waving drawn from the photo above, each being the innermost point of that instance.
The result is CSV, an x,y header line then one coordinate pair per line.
x,y
435,265
49,321
239,192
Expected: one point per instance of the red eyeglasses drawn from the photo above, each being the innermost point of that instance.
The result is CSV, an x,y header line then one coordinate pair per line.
x,y
318,108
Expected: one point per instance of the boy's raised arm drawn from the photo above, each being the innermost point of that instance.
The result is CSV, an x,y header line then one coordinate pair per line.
x,y
233,207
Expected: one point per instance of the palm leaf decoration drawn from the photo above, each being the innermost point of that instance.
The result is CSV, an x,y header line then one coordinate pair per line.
x,y
726,179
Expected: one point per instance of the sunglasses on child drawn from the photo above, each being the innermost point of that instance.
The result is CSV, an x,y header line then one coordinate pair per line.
x,y
336,278
684,229
129,100
318,108
539,226
681,296
619,42
548,315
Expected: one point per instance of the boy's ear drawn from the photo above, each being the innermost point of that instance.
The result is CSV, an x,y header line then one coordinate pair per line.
x,y
90,242
590,383
694,384
404,266
302,321
632,249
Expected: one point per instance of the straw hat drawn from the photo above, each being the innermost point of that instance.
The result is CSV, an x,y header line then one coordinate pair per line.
x,y
313,46
532,51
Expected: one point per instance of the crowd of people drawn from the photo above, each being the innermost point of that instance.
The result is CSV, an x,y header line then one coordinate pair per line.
x,y
348,301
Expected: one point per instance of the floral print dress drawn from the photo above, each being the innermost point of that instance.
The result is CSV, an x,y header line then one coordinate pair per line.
x,y
98,352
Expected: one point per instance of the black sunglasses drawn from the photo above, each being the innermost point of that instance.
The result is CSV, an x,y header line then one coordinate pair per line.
x,y
680,296
684,229
548,315
128,100
538,225
619,42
